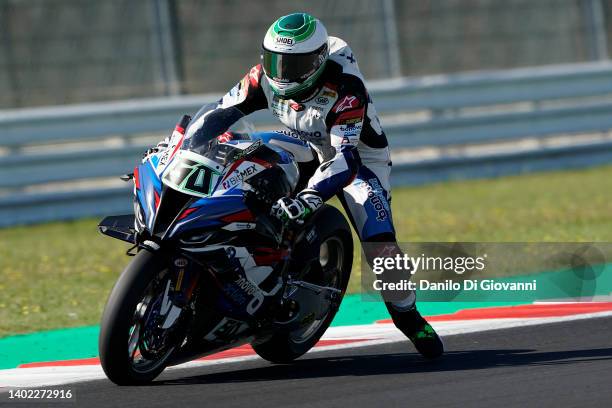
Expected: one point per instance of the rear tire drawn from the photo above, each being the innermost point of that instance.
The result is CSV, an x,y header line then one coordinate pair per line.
x,y
283,347
118,317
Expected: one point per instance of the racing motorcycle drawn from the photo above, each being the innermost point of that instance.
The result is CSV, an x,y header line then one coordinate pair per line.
x,y
212,269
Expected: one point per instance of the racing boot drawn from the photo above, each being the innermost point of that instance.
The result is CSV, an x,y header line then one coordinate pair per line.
x,y
410,322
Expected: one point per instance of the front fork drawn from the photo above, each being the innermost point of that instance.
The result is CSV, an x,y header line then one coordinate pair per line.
x,y
179,289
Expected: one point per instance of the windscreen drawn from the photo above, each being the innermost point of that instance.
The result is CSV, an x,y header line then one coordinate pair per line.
x,y
197,168
209,123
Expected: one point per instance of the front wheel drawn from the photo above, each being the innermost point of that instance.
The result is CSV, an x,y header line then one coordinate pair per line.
x,y
134,347
336,259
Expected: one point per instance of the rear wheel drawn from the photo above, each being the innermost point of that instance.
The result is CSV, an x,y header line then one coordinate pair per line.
x,y
134,347
336,259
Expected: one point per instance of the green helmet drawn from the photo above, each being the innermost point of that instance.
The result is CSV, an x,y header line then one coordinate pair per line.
x,y
294,53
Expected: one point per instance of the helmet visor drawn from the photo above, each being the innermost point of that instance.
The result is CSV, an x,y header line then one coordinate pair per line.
x,y
292,67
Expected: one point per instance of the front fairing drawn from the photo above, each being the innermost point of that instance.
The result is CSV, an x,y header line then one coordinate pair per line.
x,y
147,194
168,210
199,182
193,193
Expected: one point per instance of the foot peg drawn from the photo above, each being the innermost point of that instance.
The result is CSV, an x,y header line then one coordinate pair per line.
x,y
328,292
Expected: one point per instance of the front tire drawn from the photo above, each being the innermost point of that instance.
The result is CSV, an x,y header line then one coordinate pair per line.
x,y
117,328
336,252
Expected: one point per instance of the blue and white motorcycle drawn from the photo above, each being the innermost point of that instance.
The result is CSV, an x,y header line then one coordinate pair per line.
x,y
211,269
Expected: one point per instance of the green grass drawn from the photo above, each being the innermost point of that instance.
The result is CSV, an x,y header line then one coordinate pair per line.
x,y
55,275
59,274
564,206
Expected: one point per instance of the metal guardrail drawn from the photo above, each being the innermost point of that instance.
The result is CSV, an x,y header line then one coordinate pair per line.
x,y
457,110
503,126
542,159
537,84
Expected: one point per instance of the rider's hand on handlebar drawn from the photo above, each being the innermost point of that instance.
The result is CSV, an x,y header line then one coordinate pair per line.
x,y
148,153
296,210
161,146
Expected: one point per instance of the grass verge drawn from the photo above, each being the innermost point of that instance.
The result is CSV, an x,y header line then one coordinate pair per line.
x,y
59,274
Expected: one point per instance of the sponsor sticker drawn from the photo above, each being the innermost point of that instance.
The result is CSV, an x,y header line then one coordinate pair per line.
x,y
181,262
298,107
307,135
288,133
225,137
318,109
345,134
350,121
175,141
253,291
350,128
254,75
348,102
248,150
240,175
377,199
284,40
330,93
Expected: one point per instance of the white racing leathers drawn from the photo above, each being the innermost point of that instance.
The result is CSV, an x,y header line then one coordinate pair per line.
x,y
340,122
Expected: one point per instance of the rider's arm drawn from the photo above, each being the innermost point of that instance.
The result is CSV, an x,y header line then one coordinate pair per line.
x,y
247,96
344,123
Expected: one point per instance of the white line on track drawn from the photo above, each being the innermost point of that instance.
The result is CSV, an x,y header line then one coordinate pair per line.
x,y
375,333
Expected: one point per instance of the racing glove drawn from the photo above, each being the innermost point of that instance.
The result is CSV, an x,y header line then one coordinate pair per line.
x,y
296,209
161,146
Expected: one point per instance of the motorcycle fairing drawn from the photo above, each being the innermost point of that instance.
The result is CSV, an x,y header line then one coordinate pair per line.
x,y
247,281
209,212
148,189
208,181
288,141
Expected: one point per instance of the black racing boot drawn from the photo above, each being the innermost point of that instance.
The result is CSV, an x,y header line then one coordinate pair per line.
x,y
415,327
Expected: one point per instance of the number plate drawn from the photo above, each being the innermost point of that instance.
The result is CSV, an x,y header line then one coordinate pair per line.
x,y
192,174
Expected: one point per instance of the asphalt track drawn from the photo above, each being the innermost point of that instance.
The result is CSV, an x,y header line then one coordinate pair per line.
x,y
559,364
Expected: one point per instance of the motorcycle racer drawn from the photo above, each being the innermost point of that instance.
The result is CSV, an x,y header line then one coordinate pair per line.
x,y
311,82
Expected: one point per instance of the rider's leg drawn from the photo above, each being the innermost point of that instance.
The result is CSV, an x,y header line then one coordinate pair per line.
x,y
403,309
367,201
